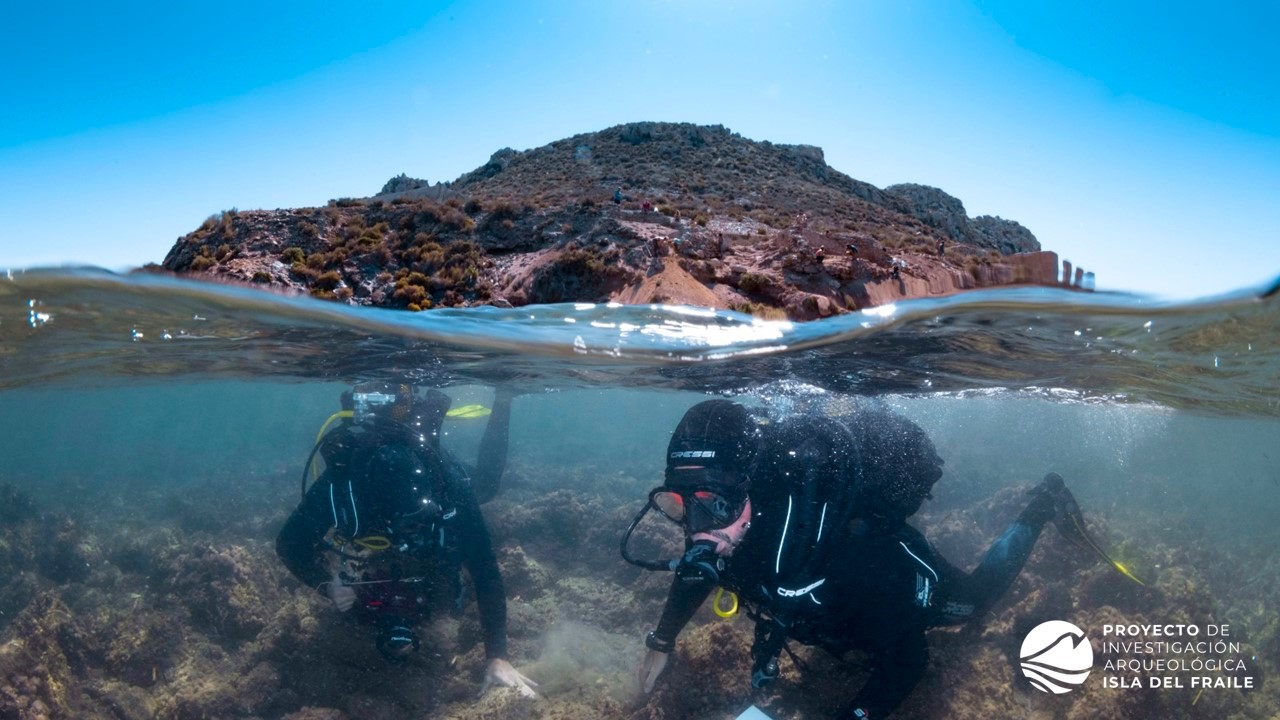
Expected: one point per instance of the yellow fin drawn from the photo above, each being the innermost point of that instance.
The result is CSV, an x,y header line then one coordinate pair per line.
x,y
467,412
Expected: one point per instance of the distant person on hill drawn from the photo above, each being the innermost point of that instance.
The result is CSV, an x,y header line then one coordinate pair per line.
x,y
803,518
820,255
385,530
942,247
894,273
851,249
618,197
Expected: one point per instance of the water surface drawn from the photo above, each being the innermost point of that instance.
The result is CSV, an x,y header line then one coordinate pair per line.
x,y
147,418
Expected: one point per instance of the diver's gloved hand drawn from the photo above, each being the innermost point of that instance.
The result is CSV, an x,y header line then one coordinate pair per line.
x,y
341,594
650,668
501,672
1050,500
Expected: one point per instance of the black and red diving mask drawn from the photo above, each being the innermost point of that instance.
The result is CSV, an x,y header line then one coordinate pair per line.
x,y
699,509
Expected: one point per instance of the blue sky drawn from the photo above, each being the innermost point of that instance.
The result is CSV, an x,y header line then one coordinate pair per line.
x,y
1141,142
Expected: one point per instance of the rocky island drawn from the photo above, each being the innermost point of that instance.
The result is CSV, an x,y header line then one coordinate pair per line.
x,y
639,213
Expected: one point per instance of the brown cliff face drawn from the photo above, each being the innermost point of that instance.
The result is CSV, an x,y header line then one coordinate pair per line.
x,y
705,217
943,212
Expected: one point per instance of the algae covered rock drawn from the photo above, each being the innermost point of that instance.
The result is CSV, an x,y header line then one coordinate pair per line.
x,y
140,646
15,505
226,588
310,713
709,671
523,576
36,680
560,519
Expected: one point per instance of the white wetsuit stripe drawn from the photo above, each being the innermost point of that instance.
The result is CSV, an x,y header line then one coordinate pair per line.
x,y
352,494
917,557
777,564
822,521
333,505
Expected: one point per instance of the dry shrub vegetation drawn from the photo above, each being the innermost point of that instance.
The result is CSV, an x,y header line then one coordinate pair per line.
x,y
423,246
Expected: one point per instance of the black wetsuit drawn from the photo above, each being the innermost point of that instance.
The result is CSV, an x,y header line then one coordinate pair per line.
x,y
879,596
878,592
379,476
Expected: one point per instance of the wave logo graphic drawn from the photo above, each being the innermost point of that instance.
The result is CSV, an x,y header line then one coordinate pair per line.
x,y
1056,657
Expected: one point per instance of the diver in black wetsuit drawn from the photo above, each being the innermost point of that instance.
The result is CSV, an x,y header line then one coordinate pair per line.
x,y
805,522
385,530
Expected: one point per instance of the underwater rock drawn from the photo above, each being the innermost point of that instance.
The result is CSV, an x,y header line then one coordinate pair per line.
x,y
709,671
137,551
292,629
66,557
1111,588
203,697
502,704
258,690
560,519
18,543
579,658
139,647
309,713
527,623
523,576
15,593
36,681
119,645
15,505
531,605
122,701
602,604
228,590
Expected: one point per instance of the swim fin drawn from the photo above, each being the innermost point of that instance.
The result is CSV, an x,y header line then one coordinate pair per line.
x,y
468,412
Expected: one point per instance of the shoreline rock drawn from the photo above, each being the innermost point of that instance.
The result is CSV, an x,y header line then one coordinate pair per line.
x,y
639,213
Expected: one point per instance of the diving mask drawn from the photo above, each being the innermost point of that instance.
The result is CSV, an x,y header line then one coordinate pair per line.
x,y
698,510
714,523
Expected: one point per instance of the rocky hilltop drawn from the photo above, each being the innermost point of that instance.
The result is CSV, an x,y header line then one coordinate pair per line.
x,y
638,213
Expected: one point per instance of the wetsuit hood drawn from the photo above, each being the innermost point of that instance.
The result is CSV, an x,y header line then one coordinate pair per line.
x,y
713,446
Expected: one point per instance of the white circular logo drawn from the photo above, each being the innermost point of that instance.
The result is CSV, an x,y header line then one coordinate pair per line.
x,y
1056,656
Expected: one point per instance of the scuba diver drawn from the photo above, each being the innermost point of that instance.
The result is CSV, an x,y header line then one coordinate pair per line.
x,y
803,520
384,531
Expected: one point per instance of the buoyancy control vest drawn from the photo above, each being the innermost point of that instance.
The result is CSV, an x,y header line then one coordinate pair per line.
x,y
817,473
807,478
394,514
803,493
